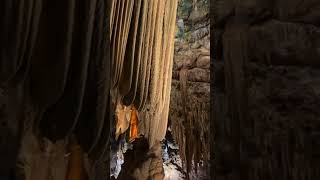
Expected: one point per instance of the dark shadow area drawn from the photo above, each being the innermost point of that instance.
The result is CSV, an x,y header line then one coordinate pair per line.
x,y
266,89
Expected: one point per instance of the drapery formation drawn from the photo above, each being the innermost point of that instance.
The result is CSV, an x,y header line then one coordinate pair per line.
x,y
54,73
59,61
142,40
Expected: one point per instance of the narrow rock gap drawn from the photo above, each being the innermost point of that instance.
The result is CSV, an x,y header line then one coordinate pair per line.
x,y
189,104
187,124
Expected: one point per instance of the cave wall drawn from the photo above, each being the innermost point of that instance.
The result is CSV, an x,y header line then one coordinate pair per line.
x,y
266,96
54,79
65,64
190,93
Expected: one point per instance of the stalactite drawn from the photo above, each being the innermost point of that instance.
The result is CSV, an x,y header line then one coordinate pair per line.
x,y
73,62
58,56
143,67
191,131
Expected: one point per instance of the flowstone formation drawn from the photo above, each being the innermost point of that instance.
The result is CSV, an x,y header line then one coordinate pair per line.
x,y
64,67
266,89
142,42
142,48
54,75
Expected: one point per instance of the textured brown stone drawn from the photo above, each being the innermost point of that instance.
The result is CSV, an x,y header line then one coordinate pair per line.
x,y
190,95
203,62
143,162
266,102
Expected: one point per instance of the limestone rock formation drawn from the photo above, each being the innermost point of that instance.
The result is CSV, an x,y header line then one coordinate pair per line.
x,y
190,94
142,39
265,90
142,43
54,67
65,64
142,162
